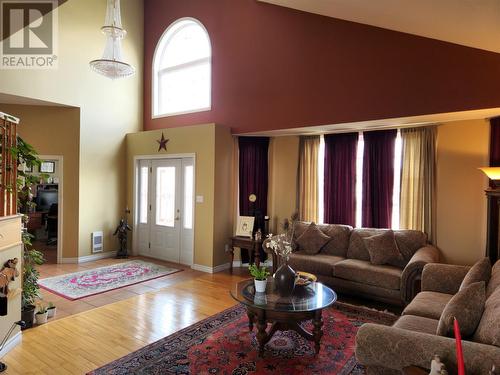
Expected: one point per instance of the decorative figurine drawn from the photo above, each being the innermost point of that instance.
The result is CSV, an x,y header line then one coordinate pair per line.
x,y
121,231
437,367
8,273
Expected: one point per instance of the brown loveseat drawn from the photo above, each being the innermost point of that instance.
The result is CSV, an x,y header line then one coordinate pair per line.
x,y
412,340
344,262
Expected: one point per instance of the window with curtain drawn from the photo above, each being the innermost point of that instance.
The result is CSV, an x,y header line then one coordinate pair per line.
x,y
308,187
418,180
378,178
340,178
253,175
381,179
253,179
182,69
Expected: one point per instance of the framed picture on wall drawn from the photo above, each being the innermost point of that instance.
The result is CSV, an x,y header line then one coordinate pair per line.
x,y
244,227
48,167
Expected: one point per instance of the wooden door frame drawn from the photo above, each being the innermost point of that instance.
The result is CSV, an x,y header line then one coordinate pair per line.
x,y
135,170
60,202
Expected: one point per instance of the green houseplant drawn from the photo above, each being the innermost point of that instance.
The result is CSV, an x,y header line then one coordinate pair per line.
x,y
51,310
260,277
41,313
26,157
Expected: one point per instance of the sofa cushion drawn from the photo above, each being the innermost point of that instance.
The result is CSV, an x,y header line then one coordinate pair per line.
x,y
339,242
409,241
312,240
480,271
364,272
417,324
319,264
357,248
467,307
488,330
428,305
383,249
494,282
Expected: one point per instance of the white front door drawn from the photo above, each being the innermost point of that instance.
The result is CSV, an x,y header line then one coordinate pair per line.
x,y
165,209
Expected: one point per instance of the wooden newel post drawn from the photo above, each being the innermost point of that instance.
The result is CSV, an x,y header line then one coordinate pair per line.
x,y
8,163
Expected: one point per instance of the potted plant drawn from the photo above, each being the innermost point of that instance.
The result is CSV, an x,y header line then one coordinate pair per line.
x,y
260,277
41,314
26,157
51,310
31,291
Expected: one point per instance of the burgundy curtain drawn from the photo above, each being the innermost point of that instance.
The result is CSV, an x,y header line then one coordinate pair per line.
x,y
253,178
378,178
340,178
492,250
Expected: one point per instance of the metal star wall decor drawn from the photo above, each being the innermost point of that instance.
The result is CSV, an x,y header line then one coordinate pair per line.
x,y
162,143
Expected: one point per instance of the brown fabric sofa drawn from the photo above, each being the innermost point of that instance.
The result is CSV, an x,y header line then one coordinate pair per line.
x,y
344,263
412,340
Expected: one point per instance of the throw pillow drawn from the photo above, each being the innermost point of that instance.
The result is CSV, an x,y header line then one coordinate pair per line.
x,y
383,248
312,240
467,307
488,330
481,271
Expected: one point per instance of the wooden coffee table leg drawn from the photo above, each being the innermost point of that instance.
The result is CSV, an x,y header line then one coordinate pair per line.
x,y
251,317
262,337
317,331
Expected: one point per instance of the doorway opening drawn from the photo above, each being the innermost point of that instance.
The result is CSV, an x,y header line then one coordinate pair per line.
x,y
164,208
45,220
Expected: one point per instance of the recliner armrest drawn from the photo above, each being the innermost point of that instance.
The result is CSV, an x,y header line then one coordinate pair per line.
x,y
443,278
412,273
395,348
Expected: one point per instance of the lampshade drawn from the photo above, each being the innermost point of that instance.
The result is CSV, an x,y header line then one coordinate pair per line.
x,y
493,173
111,64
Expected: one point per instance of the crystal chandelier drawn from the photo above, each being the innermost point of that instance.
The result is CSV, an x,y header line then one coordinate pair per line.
x,y
111,64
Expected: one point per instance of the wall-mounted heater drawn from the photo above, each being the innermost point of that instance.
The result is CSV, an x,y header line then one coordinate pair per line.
x,y
97,242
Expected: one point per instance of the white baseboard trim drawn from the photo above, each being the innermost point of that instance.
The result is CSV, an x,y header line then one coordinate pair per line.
x,y
89,258
12,343
236,263
207,269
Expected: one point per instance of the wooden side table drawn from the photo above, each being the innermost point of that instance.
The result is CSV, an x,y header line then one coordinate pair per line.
x,y
249,244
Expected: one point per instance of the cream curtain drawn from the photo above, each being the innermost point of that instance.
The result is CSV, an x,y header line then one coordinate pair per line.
x,y
308,178
418,180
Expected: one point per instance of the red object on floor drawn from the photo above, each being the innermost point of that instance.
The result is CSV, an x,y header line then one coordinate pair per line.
x,y
460,354
222,344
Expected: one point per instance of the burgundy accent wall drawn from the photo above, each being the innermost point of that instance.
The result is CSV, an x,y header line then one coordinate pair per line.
x,y
277,68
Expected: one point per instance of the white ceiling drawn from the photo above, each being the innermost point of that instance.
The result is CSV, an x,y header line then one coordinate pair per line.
x,y
474,23
402,122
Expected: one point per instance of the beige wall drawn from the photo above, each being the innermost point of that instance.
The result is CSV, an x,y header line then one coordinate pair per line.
x,y
283,167
108,109
461,202
224,202
212,146
38,126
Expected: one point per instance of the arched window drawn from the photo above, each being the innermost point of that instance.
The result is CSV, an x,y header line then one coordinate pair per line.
x,y
182,69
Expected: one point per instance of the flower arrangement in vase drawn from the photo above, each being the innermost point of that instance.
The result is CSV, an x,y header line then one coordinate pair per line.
x,y
282,245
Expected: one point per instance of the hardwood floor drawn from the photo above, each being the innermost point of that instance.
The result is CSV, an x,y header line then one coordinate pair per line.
x,y
66,307
79,343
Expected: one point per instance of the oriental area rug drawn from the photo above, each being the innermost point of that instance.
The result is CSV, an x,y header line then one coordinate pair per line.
x,y
222,344
94,281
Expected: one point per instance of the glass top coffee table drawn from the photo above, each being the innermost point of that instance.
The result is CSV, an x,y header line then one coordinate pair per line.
x,y
284,313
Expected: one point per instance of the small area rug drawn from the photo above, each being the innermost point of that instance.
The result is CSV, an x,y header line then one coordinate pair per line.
x,y
87,283
222,344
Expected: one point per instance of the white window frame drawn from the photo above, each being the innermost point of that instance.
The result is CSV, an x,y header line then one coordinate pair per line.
x,y
157,73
